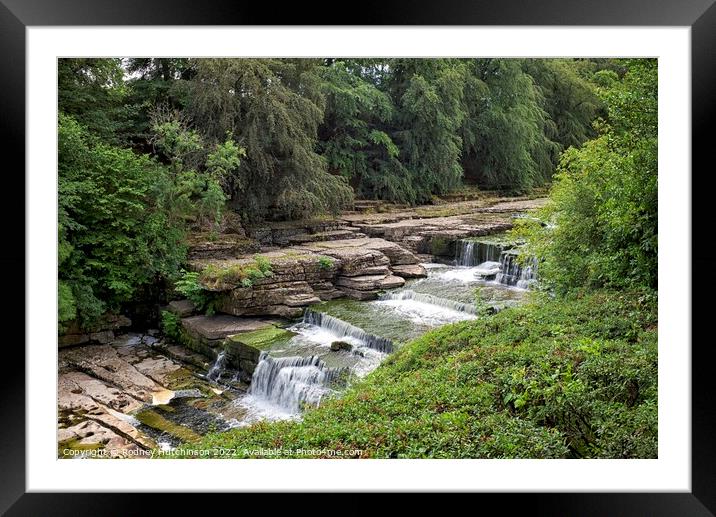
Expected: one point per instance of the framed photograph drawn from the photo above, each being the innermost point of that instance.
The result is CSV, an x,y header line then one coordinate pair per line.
x,y
454,244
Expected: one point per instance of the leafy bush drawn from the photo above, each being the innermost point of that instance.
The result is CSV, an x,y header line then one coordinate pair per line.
x,y
171,325
191,288
263,264
244,274
117,230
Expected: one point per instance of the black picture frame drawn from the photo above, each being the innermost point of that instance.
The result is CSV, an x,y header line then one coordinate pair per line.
x,y
700,15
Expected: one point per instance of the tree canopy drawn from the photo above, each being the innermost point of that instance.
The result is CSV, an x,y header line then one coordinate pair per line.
x,y
149,147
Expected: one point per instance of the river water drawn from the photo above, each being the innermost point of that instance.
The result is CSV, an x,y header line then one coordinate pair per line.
x,y
339,341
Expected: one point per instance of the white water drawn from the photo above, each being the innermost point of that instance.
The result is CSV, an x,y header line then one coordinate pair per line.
x,y
514,274
471,253
483,260
300,372
426,309
343,331
215,371
282,386
291,382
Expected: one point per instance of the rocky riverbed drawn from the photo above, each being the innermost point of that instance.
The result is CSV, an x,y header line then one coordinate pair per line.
x,y
123,393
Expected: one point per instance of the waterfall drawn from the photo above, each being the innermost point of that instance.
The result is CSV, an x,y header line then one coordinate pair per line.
x,y
217,368
343,329
291,382
471,253
512,273
430,299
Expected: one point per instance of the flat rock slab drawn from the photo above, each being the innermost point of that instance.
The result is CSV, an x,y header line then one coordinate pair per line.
x,y
410,271
159,369
89,435
184,355
221,326
391,282
104,363
361,283
77,390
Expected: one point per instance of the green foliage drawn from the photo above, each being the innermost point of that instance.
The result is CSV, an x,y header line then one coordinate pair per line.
x,y
189,286
243,273
171,325
274,108
93,92
325,262
200,195
557,378
288,138
353,135
115,224
430,95
569,98
66,303
507,132
602,212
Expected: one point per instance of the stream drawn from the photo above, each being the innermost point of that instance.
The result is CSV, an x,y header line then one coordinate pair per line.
x,y
338,341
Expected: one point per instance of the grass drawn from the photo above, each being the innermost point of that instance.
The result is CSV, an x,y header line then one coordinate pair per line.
x,y
555,378
215,277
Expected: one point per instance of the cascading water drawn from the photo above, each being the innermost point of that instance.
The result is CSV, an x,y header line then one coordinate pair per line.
x,y
514,274
218,367
292,382
306,369
472,253
409,294
342,329
425,310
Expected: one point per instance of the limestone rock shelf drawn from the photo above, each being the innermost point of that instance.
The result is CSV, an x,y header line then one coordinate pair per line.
x,y
305,274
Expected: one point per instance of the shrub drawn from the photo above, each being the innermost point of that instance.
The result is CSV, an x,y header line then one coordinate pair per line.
x,y
325,262
171,325
116,229
602,213
191,288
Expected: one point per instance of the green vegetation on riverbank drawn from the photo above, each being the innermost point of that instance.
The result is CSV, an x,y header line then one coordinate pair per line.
x,y
569,377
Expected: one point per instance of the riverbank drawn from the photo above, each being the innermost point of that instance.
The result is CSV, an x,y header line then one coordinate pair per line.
x,y
574,377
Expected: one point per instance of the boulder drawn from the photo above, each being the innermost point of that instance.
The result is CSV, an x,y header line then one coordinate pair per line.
x,y
182,308
337,346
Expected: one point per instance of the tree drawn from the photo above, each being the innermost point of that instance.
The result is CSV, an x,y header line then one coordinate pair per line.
x,y
506,131
94,93
353,135
123,217
602,214
273,108
570,100
430,96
